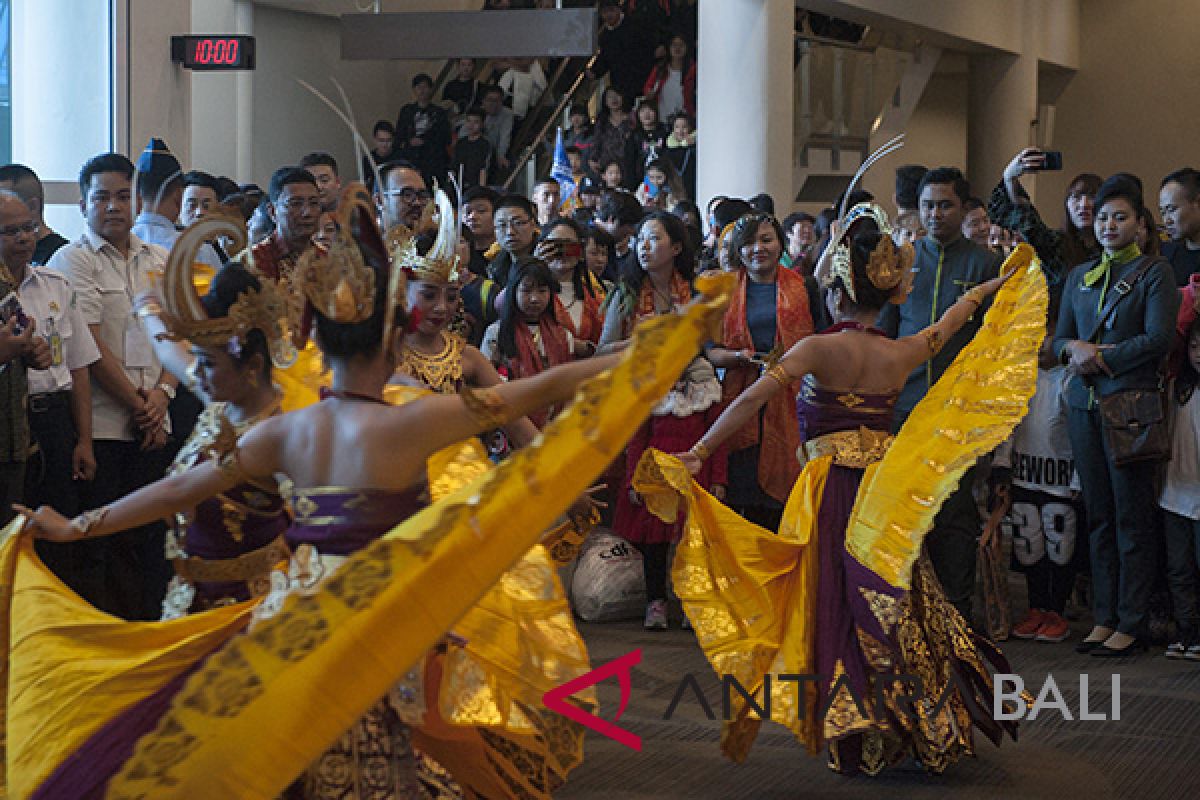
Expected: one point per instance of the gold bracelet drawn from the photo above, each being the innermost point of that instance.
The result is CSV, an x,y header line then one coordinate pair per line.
x,y
486,406
700,450
780,375
933,340
86,522
976,295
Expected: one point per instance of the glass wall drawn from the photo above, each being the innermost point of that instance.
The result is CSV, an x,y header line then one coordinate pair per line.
x,y
58,75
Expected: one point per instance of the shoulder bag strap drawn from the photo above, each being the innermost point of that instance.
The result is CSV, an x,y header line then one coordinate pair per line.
x,y
1122,288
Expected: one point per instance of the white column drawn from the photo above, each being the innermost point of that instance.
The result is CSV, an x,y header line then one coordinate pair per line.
x,y
745,130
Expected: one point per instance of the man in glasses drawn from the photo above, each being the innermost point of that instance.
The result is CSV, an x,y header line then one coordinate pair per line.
x,y
25,182
516,232
404,195
295,206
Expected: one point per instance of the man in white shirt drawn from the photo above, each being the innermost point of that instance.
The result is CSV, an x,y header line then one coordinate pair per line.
x,y
160,186
107,267
60,398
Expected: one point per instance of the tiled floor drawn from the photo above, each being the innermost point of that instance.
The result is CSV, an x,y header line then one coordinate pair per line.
x,y
1153,751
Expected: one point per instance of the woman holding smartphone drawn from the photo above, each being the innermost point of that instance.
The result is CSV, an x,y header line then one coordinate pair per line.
x,y
577,304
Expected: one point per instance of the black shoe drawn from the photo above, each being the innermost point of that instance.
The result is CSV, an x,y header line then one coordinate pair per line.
x,y
1134,647
1085,647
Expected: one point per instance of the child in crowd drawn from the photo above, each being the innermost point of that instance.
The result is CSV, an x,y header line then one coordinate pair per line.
x,y
1180,498
908,228
528,338
1035,469
472,151
600,253
612,174
660,189
678,421
578,134
681,150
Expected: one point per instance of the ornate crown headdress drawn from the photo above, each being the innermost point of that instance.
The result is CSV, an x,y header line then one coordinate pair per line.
x,y
183,314
440,264
336,280
888,265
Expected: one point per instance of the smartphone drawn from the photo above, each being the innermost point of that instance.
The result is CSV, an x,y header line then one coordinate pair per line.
x,y
1053,161
10,308
566,249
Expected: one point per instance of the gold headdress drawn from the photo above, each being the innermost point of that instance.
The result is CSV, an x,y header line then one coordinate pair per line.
x,y
888,265
184,315
440,264
336,280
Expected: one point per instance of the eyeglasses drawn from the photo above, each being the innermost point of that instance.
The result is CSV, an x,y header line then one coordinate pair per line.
x,y
300,203
512,224
30,227
409,195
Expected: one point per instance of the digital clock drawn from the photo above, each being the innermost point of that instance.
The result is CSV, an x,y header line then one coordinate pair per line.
x,y
213,52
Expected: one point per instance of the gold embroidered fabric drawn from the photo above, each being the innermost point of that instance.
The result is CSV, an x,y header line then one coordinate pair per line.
x,y
972,408
245,567
858,449
442,371
236,729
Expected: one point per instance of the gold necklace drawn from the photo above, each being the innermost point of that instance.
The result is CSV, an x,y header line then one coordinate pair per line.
x,y
441,371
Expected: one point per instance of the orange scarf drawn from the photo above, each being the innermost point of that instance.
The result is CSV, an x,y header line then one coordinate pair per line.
x,y
778,467
529,360
590,324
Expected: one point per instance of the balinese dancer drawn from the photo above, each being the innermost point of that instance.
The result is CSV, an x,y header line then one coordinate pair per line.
x,y
432,354
840,591
221,347
351,597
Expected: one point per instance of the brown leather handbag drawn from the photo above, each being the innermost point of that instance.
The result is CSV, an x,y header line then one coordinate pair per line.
x,y
1135,427
1134,421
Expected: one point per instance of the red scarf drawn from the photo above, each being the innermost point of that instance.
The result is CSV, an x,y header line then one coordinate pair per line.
x,y
778,466
590,324
529,361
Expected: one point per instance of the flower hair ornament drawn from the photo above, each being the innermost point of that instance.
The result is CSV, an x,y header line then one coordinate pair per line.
x,y
889,266
183,313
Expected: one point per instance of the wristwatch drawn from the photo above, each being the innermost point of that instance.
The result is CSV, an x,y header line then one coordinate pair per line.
x,y
166,389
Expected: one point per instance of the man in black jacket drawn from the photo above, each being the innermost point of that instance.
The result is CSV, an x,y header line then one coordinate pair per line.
x,y
423,132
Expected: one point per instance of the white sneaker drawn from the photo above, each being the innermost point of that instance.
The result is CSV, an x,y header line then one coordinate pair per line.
x,y
1176,650
656,616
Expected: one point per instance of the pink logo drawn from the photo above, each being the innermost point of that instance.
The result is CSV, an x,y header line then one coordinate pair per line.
x,y
556,699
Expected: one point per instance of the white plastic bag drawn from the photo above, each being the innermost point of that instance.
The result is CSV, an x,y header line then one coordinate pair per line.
x,y
608,584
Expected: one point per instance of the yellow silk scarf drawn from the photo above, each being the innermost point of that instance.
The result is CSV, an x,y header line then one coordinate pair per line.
x,y
269,702
972,408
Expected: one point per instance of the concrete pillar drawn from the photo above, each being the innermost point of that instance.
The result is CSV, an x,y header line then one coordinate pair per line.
x,y
1002,103
745,130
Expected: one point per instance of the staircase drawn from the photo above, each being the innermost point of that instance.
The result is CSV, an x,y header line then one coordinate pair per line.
x,y
851,97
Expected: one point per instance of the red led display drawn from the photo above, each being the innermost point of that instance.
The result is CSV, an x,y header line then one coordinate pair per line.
x,y
213,52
